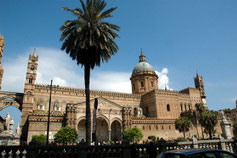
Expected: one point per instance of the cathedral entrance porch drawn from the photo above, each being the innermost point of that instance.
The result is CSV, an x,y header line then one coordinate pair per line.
x,y
103,130
116,131
82,130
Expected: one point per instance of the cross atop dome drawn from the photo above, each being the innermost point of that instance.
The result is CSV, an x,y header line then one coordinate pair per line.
x,y
142,58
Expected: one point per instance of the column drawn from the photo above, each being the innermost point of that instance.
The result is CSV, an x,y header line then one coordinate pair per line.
x,y
109,134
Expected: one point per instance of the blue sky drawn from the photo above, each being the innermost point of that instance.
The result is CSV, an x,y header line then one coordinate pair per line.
x,y
179,38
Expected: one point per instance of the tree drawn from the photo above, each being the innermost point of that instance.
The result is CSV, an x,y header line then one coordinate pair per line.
x,y
66,135
38,140
199,110
132,134
194,115
182,124
208,120
89,40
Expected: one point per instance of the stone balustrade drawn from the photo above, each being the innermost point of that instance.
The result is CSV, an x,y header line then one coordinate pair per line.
x,y
116,151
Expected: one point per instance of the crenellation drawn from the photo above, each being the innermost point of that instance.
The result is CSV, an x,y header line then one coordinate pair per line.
x,y
77,91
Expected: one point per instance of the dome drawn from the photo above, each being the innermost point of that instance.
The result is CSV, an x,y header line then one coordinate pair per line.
x,y
143,65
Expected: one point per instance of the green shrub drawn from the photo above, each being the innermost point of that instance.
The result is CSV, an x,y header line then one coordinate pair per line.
x,y
132,135
38,140
65,136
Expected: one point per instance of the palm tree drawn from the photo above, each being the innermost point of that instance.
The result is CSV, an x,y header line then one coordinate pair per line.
x,y
89,40
182,124
208,120
197,113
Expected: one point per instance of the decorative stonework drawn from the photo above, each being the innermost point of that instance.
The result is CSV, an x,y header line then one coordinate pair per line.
x,y
2,44
226,127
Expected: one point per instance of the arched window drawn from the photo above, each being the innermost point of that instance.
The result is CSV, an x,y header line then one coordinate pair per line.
x,y
157,128
30,80
189,106
149,127
185,107
162,127
40,107
181,107
142,84
152,84
168,107
57,108
32,68
169,127
28,96
143,128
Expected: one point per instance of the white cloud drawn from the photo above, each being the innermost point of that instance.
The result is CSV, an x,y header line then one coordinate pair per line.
x,y
57,65
163,80
14,74
112,81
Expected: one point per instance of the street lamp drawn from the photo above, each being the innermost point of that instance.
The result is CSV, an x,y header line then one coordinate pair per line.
x,y
50,94
94,120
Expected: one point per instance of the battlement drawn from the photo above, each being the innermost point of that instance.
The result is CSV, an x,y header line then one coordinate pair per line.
x,y
151,120
168,92
77,91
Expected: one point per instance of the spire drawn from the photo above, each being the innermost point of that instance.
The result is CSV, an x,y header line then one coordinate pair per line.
x,y
34,53
142,58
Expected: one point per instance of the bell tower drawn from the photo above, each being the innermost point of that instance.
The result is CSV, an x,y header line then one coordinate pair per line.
x,y
1,52
31,71
144,78
28,99
199,84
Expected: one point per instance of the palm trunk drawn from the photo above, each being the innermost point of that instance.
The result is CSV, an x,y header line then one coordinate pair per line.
x,y
210,134
196,124
202,133
184,134
88,111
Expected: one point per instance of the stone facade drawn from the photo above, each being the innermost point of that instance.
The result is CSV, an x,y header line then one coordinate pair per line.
x,y
149,108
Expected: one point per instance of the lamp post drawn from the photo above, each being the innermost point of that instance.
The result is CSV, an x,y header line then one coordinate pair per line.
x,y
94,120
50,94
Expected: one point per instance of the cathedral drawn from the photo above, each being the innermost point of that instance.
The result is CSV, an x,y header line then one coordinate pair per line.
x,y
148,108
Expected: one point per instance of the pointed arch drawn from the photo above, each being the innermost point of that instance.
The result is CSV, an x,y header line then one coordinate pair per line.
x,y
10,100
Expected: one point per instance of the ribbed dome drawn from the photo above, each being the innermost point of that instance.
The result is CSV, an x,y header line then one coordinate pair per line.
x,y
143,65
